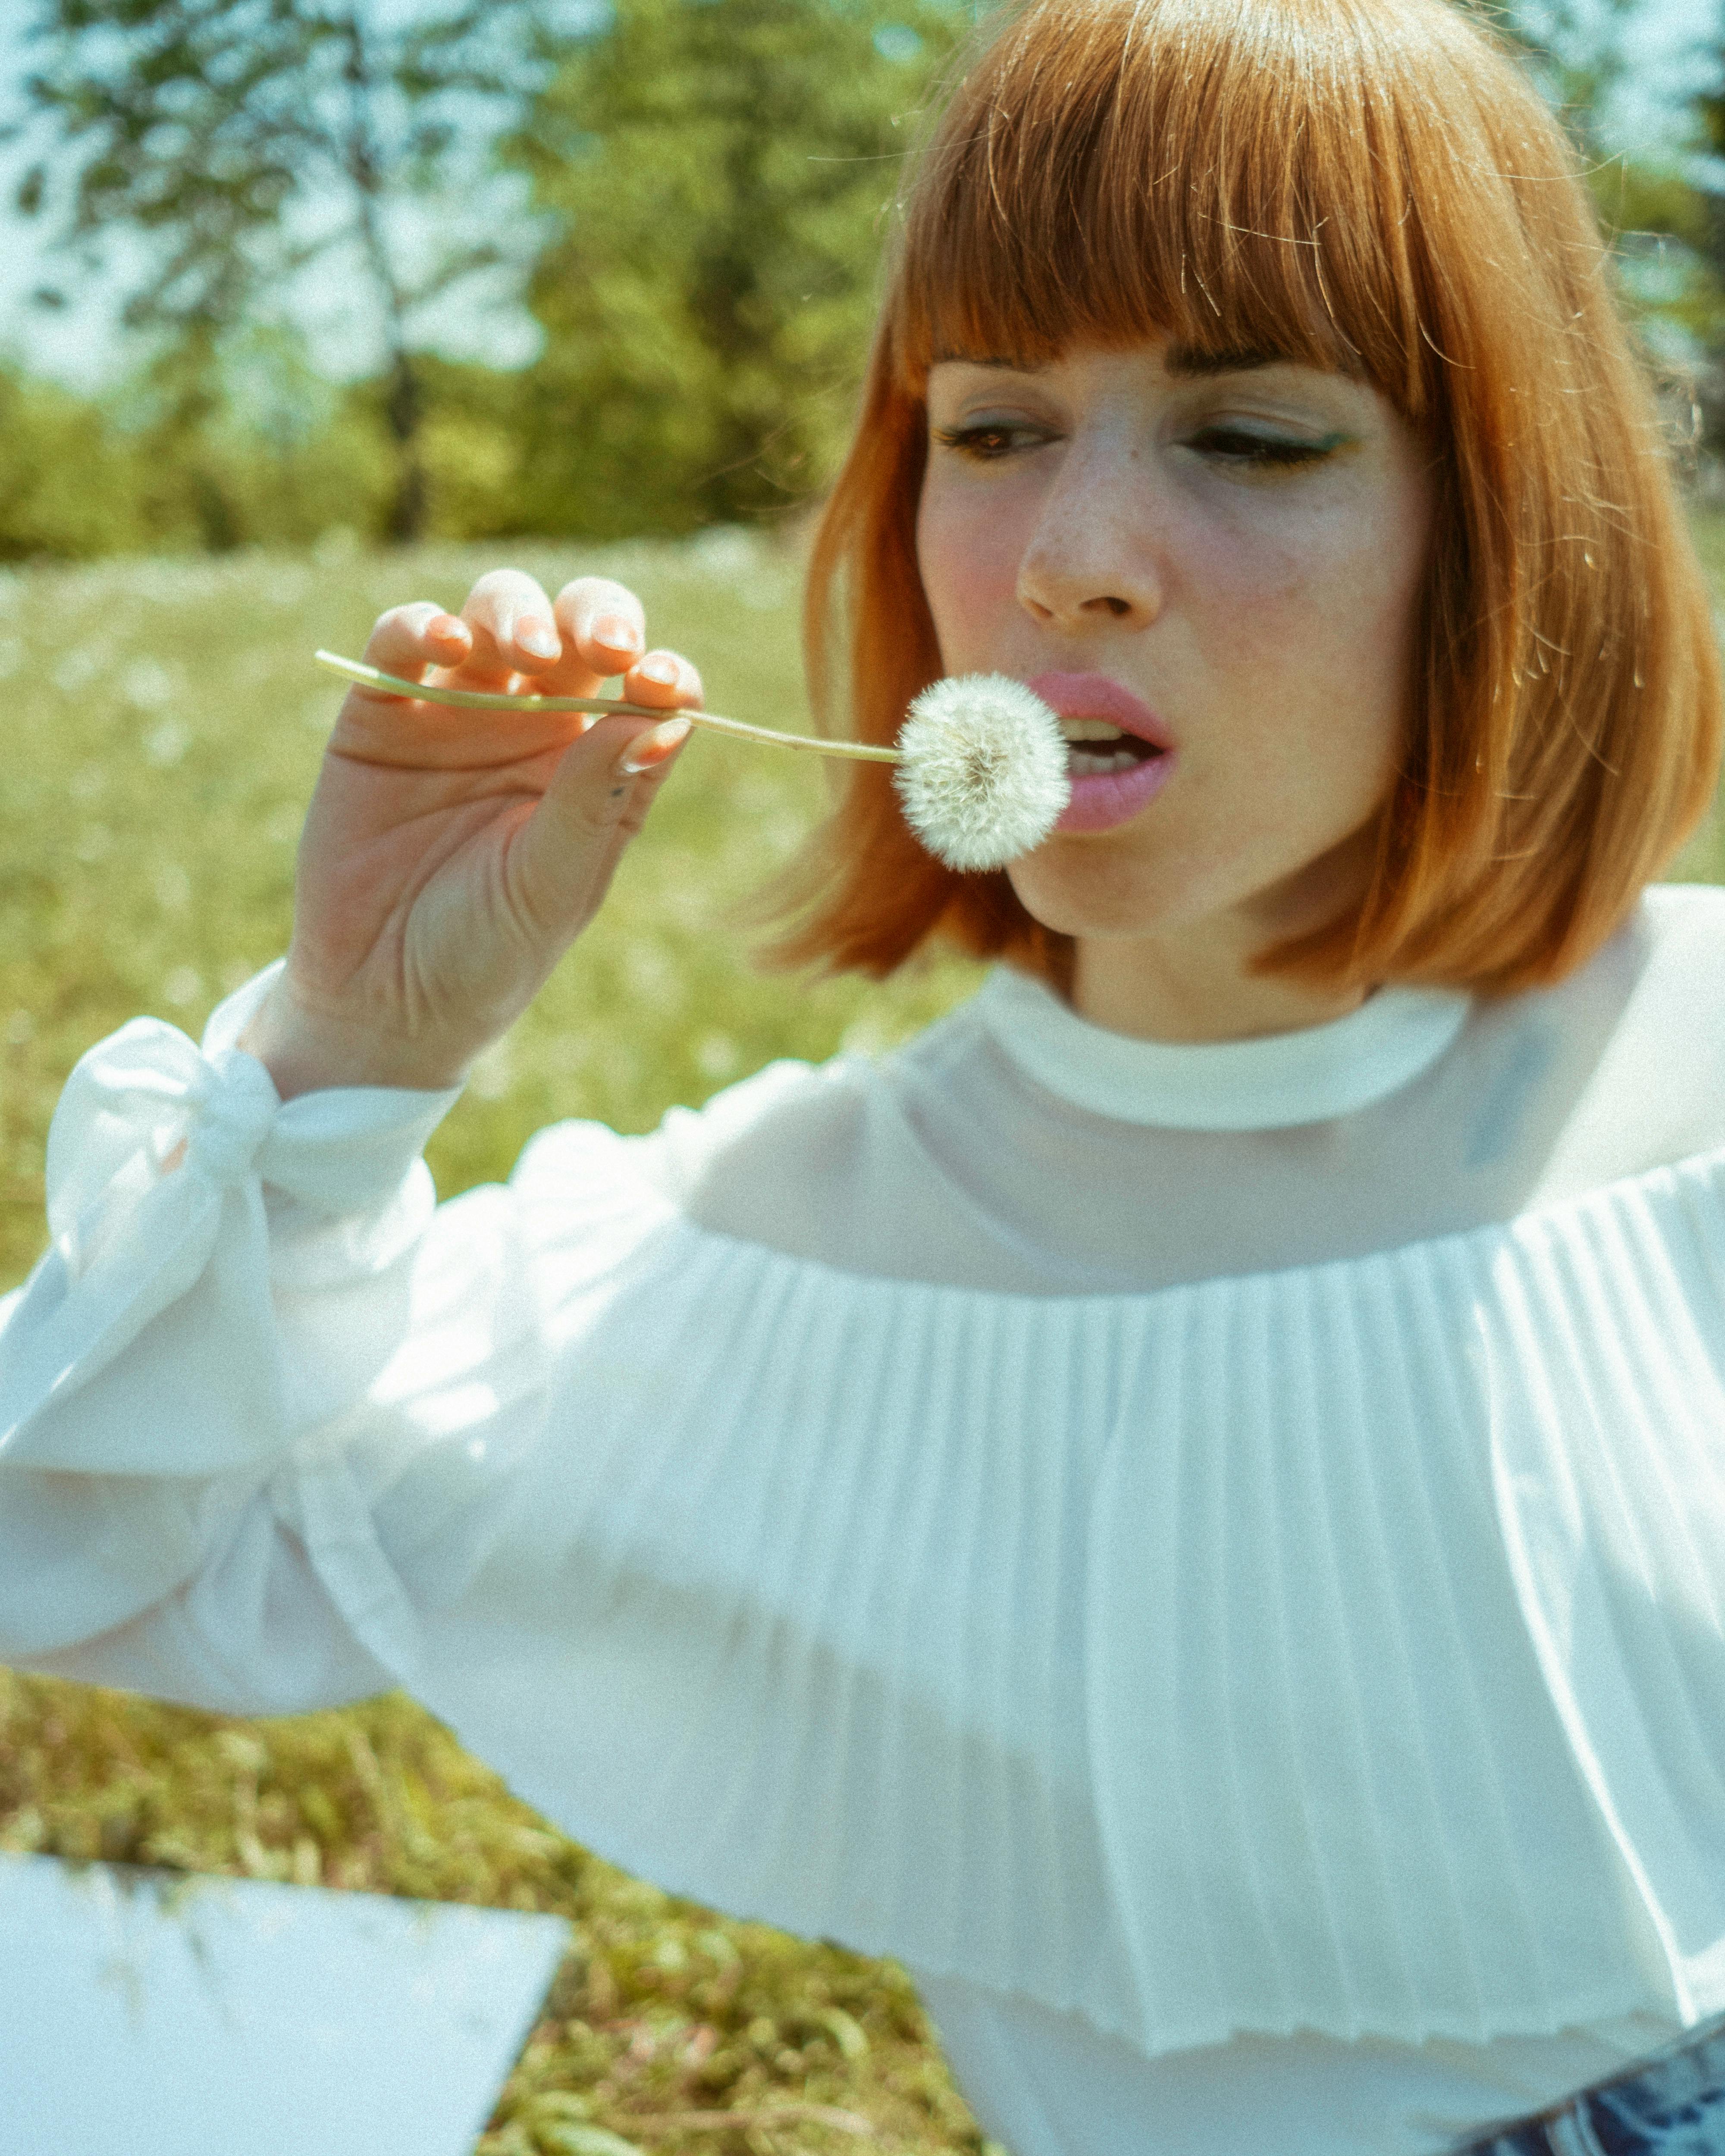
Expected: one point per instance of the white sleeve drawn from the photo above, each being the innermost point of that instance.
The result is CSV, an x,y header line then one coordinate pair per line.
x,y
228,1276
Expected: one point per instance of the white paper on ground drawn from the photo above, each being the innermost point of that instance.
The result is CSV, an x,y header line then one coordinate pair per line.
x,y
145,2013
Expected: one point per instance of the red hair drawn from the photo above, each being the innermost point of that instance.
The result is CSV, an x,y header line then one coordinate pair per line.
x,y
1363,184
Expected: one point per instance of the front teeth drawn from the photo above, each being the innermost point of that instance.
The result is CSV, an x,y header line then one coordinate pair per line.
x,y
1092,749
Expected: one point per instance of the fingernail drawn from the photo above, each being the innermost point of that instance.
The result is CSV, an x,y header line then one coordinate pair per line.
x,y
443,626
646,750
538,637
658,669
616,632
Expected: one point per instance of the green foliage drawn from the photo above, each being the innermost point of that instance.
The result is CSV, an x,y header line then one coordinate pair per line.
x,y
711,182
475,446
718,171
223,132
1684,208
1671,270
709,179
71,484
1663,213
266,453
249,446
1574,49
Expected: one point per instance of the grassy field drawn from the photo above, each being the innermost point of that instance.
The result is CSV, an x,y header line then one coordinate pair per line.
x,y
164,725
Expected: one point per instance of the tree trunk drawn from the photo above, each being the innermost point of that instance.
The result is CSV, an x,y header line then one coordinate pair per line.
x,y
404,401
404,407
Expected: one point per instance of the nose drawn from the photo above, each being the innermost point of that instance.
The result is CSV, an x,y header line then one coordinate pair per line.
x,y
1091,558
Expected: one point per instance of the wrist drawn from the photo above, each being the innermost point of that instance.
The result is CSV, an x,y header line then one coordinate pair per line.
x,y
306,1050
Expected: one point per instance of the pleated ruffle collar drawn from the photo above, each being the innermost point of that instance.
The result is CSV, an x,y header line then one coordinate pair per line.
x,y
1273,1082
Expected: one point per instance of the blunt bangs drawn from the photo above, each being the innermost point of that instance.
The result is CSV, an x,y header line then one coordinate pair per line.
x,y
1231,177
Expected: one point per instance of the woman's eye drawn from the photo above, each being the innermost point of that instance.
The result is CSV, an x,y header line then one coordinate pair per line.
x,y
1237,445
985,440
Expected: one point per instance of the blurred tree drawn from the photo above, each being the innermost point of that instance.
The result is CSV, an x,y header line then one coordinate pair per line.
x,y
1669,247
1575,50
474,446
1666,216
277,459
250,445
246,139
68,477
718,171
1686,205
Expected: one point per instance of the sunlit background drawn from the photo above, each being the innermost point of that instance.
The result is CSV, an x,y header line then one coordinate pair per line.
x,y
311,307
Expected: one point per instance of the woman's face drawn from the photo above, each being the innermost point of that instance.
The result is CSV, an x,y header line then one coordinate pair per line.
x,y
1236,546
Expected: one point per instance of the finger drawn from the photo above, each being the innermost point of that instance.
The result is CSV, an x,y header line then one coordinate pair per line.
x,y
663,679
650,755
605,629
513,627
410,640
597,800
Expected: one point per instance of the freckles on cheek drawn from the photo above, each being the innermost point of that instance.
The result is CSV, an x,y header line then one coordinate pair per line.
x,y
1258,625
1299,618
969,568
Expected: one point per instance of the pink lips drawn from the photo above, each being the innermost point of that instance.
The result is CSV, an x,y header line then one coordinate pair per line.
x,y
1098,804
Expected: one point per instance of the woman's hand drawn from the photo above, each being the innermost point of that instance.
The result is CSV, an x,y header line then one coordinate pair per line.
x,y
450,857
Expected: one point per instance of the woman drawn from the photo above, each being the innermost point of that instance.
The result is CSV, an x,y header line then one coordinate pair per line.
x,y
1187,1504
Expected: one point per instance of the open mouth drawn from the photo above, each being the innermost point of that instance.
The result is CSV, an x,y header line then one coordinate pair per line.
x,y
1095,749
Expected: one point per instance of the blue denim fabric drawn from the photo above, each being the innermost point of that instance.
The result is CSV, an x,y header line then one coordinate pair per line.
x,y
1672,2104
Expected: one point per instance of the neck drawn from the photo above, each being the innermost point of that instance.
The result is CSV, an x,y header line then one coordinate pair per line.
x,y
1199,981
1194,987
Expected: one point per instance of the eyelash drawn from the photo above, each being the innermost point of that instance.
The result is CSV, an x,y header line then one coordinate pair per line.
x,y
1261,449
989,443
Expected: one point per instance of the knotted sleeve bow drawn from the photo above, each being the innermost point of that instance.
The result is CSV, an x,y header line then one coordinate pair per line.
x,y
166,1166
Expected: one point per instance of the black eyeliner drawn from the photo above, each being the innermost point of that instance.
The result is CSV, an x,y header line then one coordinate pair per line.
x,y
1268,449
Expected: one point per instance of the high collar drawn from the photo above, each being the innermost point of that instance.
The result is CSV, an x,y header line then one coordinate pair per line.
x,y
1269,1083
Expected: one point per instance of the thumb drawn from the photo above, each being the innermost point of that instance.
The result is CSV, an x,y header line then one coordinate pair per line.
x,y
596,801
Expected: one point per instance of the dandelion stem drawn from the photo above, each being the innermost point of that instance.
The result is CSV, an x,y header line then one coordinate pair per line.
x,y
484,699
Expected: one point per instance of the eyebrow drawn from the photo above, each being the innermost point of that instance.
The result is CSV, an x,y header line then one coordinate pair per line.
x,y
946,357
1192,361
1189,361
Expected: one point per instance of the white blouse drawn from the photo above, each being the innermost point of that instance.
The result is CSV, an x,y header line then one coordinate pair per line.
x,y
1213,1556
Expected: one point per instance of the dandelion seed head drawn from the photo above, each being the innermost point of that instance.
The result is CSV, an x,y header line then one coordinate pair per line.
x,y
983,778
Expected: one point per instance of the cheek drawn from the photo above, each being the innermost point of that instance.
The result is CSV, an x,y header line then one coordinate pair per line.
x,y
968,553
1374,572
1317,634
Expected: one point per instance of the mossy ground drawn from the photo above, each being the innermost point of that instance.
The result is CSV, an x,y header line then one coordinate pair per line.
x,y
661,2009
164,725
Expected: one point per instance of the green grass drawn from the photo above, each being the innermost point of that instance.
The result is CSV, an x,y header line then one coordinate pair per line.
x,y
166,726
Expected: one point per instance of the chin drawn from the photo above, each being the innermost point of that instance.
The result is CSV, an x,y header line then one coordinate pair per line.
x,y
1080,891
